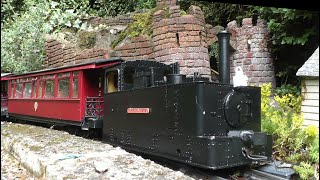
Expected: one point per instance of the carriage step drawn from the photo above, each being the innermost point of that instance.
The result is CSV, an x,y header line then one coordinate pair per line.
x,y
85,125
92,122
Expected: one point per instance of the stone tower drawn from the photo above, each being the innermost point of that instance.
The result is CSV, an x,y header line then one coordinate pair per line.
x,y
252,51
181,38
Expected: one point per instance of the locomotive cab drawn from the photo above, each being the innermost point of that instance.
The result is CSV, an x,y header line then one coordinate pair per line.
x,y
130,75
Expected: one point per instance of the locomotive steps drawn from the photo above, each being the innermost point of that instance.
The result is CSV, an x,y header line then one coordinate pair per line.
x,y
53,154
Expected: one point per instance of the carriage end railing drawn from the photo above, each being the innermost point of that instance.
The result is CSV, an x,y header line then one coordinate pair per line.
x,y
94,107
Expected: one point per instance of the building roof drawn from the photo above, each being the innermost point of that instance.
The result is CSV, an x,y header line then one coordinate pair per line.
x,y
311,66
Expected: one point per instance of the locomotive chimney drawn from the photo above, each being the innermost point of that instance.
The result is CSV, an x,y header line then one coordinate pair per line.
x,y
224,57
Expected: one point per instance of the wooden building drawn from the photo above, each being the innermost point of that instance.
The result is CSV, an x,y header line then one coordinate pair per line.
x,y
310,89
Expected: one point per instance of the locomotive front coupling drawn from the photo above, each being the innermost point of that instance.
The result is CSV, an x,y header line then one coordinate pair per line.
x,y
257,146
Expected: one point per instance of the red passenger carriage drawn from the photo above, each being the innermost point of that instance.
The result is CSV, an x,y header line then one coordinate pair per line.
x,y
4,93
65,95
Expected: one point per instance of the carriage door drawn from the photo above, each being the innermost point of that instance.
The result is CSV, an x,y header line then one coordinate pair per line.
x,y
111,81
4,98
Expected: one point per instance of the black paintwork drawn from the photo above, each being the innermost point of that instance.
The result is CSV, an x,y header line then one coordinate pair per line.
x,y
224,57
190,120
186,123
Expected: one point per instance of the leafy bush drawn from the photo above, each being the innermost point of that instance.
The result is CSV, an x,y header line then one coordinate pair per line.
x,y
284,121
25,23
287,89
281,21
141,25
22,39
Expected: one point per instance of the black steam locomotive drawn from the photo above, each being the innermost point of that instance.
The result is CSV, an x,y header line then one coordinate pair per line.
x,y
155,110
149,107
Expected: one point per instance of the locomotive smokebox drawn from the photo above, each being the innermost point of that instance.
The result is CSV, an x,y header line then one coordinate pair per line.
x,y
224,57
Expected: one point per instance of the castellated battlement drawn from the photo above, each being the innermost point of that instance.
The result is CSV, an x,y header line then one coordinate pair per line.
x,y
183,39
252,51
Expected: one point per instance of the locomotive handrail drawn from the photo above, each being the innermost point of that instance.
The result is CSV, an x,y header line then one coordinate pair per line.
x,y
253,157
94,107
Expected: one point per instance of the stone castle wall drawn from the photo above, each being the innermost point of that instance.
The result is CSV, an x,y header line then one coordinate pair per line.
x,y
176,38
139,48
61,54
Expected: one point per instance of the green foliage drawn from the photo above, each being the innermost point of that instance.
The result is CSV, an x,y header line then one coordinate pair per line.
x,y
288,71
25,23
284,121
22,39
214,55
141,25
219,13
214,50
105,8
287,89
10,8
314,150
145,4
305,169
289,26
182,12
86,39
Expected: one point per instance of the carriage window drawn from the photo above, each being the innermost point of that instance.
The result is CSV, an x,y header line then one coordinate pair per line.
x,y
112,81
75,88
40,89
27,90
76,73
34,85
49,76
10,90
18,93
63,88
49,89
63,75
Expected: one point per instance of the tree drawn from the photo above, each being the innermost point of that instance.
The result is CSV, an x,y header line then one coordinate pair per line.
x,y
294,35
26,22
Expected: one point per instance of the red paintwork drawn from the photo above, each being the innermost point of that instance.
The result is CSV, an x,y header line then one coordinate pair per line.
x,y
56,109
4,78
69,109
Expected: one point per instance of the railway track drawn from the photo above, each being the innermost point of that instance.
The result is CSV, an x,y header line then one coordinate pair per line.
x,y
267,172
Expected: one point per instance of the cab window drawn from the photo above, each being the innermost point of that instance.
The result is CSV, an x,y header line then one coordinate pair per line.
x,y
111,81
